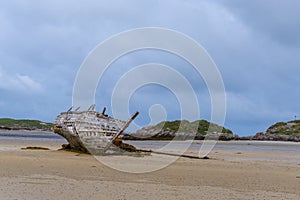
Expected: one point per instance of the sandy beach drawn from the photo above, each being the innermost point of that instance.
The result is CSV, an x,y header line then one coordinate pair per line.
x,y
52,174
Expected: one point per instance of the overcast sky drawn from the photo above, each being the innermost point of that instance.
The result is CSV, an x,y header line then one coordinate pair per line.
x,y
255,44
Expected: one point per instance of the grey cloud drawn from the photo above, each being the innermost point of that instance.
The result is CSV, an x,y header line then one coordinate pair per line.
x,y
18,83
279,20
255,44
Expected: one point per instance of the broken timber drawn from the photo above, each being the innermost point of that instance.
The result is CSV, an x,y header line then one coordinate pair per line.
x,y
90,131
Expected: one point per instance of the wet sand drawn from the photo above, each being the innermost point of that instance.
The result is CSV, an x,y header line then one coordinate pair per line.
x,y
38,174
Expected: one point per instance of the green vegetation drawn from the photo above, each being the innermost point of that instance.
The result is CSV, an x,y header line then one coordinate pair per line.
x,y
185,126
25,124
285,128
277,125
295,121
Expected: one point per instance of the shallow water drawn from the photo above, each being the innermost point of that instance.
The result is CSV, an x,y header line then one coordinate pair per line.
x,y
229,150
233,146
10,141
30,135
234,150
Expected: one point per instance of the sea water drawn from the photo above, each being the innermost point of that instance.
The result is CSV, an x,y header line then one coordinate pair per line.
x,y
24,135
10,141
234,150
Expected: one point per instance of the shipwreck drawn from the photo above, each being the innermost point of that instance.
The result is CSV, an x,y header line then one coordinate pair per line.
x,y
92,132
99,134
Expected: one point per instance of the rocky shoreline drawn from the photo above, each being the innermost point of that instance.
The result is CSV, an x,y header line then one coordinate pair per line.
x,y
176,136
5,128
9,124
262,136
150,133
281,131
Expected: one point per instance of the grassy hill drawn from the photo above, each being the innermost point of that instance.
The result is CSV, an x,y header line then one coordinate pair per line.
x,y
188,127
8,123
285,128
180,130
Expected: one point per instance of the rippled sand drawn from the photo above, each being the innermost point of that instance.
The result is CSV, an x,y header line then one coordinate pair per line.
x,y
38,174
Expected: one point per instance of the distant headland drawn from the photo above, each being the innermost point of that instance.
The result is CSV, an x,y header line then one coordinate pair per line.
x,y
281,131
9,124
182,129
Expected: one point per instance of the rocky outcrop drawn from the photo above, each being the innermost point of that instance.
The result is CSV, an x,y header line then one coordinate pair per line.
x,y
275,137
291,128
176,136
8,124
281,131
5,128
20,129
187,131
